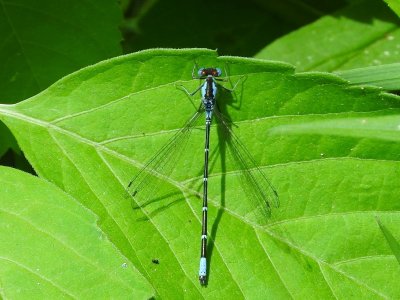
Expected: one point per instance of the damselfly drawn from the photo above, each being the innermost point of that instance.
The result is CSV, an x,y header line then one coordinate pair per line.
x,y
258,189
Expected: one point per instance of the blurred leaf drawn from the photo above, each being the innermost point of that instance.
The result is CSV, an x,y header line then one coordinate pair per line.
x,y
301,12
41,41
232,27
384,76
366,33
45,40
394,5
52,248
90,132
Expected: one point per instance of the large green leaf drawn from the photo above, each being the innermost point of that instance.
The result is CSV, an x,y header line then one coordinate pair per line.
x,y
366,33
41,41
331,151
52,248
234,27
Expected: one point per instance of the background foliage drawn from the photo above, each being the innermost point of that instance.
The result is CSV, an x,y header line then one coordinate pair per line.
x,y
329,143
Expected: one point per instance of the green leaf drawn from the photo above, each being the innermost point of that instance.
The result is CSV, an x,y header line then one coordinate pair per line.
x,y
394,5
330,149
7,140
234,27
394,245
52,248
44,40
384,76
366,33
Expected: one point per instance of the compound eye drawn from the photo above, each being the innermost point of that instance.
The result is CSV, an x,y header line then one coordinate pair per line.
x,y
218,72
201,72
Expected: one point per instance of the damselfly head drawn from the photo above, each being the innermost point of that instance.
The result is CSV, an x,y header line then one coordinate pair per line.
x,y
214,72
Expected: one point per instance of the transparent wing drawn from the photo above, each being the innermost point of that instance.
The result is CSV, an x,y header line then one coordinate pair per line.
x,y
258,194
150,184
